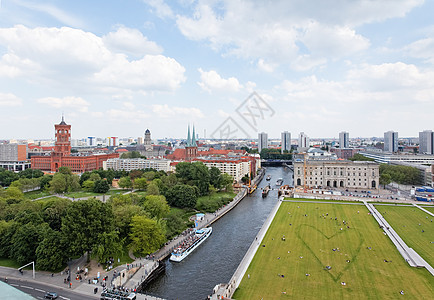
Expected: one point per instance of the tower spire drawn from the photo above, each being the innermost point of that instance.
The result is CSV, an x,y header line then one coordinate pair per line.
x,y
188,137
193,140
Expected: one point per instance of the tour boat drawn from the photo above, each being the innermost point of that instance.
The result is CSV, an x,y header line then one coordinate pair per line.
x,y
265,191
195,240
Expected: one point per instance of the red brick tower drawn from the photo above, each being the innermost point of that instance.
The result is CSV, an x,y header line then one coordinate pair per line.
x,y
62,146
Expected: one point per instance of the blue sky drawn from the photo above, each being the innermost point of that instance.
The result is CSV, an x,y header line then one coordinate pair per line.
x,y
116,68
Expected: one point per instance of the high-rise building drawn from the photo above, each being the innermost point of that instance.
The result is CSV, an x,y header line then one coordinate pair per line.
x,y
91,141
262,141
426,142
391,141
344,139
303,140
140,140
286,141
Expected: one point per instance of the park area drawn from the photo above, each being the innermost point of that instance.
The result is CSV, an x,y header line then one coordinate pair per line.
x,y
330,251
414,226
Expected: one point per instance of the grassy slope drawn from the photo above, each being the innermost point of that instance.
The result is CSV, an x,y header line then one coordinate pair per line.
x,y
213,202
406,222
313,237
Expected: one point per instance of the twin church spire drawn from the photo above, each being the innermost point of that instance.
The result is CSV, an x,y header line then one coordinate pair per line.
x,y
191,140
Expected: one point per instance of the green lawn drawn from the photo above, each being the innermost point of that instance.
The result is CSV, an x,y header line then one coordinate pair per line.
x,y
49,198
6,262
431,209
308,249
36,194
83,194
325,200
405,221
213,202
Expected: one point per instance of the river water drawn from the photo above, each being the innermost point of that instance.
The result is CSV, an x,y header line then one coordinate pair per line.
x,y
216,260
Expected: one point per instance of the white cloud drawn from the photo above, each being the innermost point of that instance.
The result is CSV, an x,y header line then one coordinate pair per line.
x,y
166,111
160,8
80,60
53,11
131,41
422,49
284,32
126,116
75,103
212,81
8,99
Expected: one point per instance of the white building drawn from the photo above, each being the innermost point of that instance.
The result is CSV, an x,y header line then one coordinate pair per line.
x,y
129,164
303,140
91,141
286,141
235,167
262,141
342,174
391,141
426,142
344,139
140,140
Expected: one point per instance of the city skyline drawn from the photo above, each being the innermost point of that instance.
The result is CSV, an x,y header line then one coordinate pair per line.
x,y
116,71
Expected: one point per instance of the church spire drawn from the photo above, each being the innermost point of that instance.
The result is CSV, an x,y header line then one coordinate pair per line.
x,y
188,137
193,140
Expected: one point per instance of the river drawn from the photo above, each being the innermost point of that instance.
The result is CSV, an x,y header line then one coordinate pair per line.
x,y
216,260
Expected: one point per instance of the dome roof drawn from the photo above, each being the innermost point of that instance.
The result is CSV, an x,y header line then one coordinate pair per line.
x,y
147,131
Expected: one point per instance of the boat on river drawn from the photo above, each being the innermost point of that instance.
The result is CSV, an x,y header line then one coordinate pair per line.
x,y
265,191
268,177
192,243
279,181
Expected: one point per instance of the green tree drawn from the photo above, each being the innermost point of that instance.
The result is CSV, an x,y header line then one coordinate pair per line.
x,y
24,243
140,183
108,246
83,224
101,186
226,182
7,177
58,183
156,206
30,173
385,179
13,193
214,177
146,235
44,182
152,189
125,183
94,176
123,215
360,157
182,196
88,185
50,253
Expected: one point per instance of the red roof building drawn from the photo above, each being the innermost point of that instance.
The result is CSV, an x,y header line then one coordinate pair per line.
x,y
61,155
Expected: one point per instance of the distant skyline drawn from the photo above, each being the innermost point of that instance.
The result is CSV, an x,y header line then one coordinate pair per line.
x,y
115,68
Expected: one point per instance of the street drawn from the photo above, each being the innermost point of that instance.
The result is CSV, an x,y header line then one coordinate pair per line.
x,y
38,290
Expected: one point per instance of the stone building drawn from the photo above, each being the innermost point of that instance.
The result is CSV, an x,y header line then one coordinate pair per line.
x,y
337,174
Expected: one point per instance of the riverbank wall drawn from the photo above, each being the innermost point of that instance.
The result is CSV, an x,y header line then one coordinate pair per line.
x,y
225,291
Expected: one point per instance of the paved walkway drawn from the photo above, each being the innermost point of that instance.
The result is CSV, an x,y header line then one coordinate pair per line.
x,y
425,210
410,256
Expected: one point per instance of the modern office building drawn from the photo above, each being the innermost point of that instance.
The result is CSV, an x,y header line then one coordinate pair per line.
x,y
286,141
344,139
129,164
262,141
303,140
13,157
391,141
426,142
337,174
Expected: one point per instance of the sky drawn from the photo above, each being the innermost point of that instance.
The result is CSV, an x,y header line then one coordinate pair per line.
x,y
231,68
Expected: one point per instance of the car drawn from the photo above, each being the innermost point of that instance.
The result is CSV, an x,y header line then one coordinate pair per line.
x,y
50,295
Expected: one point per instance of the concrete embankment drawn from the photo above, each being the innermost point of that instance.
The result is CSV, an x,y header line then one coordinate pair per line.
x,y
227,290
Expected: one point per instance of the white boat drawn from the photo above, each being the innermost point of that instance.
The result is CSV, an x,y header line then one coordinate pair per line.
x,y
279,181
198,238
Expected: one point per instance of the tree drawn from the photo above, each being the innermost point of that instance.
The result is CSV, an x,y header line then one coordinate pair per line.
x,y
58,183
88,185
183,195
146,235
140,183
94,176
83,224
44,182
360,157
7,177
50,253
385,179
226,182
24,243
125,183
101,186
108,246
152,189
123,215
13,193
136,174
214,177
30,173
156,206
